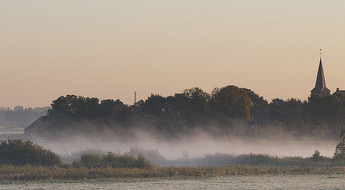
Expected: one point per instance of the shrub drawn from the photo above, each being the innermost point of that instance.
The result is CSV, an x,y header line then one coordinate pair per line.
x,y
254,159
90,160
142,162
20,152
316,156
112,160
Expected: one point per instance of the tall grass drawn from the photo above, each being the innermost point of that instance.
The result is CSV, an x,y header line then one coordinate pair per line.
x,y
8,172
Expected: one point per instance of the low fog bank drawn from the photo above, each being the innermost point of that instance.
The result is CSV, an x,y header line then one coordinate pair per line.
x,y
162,151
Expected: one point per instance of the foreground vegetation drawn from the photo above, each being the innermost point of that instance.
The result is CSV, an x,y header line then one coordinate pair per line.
x,y
8,172
90,160
24,160
20,152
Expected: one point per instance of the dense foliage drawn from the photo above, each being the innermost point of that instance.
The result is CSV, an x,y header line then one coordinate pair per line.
x,y
20,152
170,115
225,108
319,116
90,160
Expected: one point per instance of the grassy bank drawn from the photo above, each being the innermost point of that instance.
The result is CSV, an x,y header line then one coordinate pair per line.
x,y
9,172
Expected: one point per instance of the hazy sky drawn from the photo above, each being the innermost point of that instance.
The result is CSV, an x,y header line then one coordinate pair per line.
x,y
111,48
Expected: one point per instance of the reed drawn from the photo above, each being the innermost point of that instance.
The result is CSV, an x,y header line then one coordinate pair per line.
x,y
28,172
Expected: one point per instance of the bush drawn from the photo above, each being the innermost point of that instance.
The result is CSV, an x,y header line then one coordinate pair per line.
x,y
254,159
316,156
112,160
20,152
142,162
90,160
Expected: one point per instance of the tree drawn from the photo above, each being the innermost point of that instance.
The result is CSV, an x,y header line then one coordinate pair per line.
x,y
75,107
316,156
326,110
192,105
257,100
155,105
339,154
115,111
20,152
231,102
290,112
278,110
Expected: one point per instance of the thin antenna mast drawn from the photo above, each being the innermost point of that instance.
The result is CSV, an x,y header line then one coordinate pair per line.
x,y
135,97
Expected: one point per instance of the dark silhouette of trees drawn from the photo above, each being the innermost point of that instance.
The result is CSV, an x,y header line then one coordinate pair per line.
x,y
20,152
257,100
155,105
326,110
224,108
75,107
290,112
231,102
80,108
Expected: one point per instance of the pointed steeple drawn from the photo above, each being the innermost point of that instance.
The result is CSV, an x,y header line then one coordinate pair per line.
x,y
320,86
320,80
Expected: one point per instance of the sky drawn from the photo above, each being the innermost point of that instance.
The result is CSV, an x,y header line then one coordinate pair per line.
x,y
110,48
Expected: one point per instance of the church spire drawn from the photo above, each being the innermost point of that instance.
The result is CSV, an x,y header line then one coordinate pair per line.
x,y
320,80
320,86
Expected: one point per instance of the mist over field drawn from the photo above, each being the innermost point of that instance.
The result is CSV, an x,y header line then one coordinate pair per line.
x,y
199,144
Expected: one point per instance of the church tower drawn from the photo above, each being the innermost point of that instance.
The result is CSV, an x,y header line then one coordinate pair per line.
x,y
320,86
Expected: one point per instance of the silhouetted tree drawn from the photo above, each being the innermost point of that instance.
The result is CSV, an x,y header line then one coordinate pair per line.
x,y
20,152
325,110
339,154
257,100
290,112
231,102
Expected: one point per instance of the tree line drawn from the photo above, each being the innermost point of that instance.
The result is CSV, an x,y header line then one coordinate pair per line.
x,y
225,108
